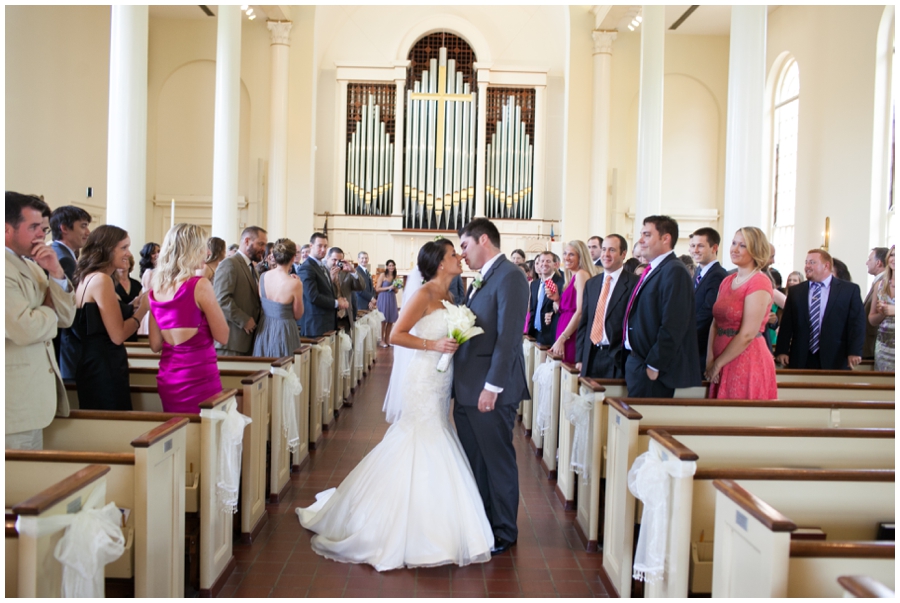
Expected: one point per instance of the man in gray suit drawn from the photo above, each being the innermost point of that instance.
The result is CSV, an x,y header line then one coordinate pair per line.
x,y
489,377
70,226
365,299
320,304
237,291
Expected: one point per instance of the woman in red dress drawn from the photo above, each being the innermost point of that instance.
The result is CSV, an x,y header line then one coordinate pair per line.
x,y
739,363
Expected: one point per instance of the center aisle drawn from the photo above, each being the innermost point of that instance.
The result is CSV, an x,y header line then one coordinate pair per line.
x,y
548,560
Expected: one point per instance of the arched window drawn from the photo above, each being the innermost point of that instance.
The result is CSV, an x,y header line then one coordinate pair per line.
x,y
787,104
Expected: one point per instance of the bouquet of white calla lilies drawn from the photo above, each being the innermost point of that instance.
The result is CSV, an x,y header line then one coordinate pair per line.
x,y
461,328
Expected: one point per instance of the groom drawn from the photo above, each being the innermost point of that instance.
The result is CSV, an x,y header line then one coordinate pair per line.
x,y
489,377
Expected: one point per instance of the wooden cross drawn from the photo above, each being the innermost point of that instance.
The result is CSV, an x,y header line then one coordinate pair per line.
x,y
441,97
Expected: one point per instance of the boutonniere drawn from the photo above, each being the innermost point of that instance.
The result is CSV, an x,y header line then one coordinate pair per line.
x,y
478,283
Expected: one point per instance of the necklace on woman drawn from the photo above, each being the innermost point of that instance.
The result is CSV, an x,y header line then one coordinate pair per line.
x,y
739,280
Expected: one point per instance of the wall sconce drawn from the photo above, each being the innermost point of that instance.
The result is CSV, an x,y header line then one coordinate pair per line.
x,y
827,234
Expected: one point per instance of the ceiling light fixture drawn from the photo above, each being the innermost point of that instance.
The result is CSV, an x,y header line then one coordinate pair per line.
x,y
635,23
631,27
245,7
252,17
639,19
249,12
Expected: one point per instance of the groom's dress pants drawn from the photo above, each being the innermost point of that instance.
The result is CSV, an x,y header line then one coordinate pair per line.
x,y
488,441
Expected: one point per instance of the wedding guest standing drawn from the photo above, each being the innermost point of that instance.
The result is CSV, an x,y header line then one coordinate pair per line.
x,y
215,253
127,288
320,304
387,300
517,257
36,304
875,266
543,319
365,299
579,269
149,257
881,315
237,292
739,364
281,294
70,227
185,319
103,322
707,278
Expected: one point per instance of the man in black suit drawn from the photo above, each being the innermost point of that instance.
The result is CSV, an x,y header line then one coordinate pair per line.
x,y
320,303
594,245
543,318
489,377
823,325
599,345
660,326
70,226
707,278
365,299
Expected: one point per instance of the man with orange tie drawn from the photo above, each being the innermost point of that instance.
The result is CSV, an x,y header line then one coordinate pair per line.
x,y
599,343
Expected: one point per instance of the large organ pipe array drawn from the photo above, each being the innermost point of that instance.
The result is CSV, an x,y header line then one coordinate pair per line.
x,y
510,166
370,163
439,159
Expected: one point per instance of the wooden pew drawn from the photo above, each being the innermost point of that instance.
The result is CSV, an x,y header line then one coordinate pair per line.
x,y
321,411
864,587
201,455
845,504
863,377
546,400
537,438
526,406
754,555
31,568
729,452
146,462
302,366
566,478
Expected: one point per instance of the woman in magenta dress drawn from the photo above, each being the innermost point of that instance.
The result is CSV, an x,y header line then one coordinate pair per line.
x,y
185,318
579,269
739,362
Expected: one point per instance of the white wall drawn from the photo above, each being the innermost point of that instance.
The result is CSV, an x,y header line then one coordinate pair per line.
x,y
57,93
835,48
695,105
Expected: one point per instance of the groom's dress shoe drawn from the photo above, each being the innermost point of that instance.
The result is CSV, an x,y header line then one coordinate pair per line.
x,y
501,546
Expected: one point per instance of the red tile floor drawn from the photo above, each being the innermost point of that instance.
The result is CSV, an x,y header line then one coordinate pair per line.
x,y
548,560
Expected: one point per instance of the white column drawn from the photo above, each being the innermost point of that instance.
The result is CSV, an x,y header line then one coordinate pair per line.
x,y
744,143
276,220
399,124
227,124
650,115
600,131
540,133
483,77
126,163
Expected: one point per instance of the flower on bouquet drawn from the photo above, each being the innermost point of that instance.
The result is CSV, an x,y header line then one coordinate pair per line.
x,y
397,284
460,327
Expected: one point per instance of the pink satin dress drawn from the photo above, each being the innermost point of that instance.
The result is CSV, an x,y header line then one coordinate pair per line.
x,y
188,373
568,303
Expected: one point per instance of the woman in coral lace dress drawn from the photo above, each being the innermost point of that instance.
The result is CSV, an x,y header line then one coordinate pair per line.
x,y
739,362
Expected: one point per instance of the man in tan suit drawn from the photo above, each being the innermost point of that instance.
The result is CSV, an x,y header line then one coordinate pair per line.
x,y
237,290
345,281
875,265
36,307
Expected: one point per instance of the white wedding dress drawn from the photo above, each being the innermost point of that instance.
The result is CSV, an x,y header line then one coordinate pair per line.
x,y
412,501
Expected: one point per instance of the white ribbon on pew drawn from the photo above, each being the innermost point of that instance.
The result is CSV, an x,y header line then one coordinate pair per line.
x,y
93,539
228,473
346,347
359,345
379,319
543,377
323,379
372,337
290,398
650,480
578,412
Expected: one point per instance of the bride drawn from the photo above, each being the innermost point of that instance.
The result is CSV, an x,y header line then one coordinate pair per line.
x,y
412,501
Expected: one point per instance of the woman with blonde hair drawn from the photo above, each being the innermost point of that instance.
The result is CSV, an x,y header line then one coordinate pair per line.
x,y
102,322
185,318
215,253
881,315
739,362
569,301
281,294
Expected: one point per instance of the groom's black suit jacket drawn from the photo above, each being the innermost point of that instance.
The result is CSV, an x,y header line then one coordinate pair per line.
x,y
495,356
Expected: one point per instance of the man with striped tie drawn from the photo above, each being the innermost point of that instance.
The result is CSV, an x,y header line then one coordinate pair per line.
x,y
599,340
823,325
707,278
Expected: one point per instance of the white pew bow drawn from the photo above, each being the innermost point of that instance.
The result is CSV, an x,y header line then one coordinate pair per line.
x,y
543,378
346,346
650,480
228,473
92,539
323,378
578,412
379,319
290,393
360,343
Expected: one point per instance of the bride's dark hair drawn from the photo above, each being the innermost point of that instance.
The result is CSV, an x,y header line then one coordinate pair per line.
x,y
430,257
